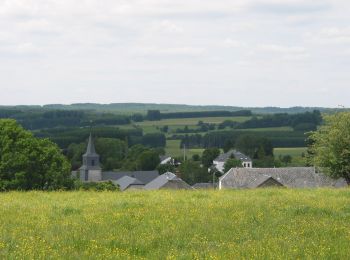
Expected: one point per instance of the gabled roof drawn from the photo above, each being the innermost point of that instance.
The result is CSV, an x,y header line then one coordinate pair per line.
x,y
126,181
293,177
233,153
176,184
158,182
143,176
264,180
167,180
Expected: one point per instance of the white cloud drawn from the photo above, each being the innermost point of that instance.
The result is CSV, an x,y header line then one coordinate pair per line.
x,y
131,44
172,51
166,26
273,48
335,35
39,26
231,43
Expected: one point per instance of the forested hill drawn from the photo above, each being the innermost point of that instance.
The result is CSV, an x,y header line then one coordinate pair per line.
x,y
124,108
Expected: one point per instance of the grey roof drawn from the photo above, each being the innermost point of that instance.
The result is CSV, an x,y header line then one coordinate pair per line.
x,y
164,157
294,177
176,184
90,150
203,186
143,176
261,179
236,154
167,180
126,181
158,182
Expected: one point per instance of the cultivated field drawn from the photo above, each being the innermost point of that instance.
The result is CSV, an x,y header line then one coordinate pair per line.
x,y
193,121
292,151
295,152
173,149
173,124
264,224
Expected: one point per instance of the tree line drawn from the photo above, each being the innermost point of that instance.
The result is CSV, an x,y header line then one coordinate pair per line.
x,y
156,115
34,119
307,121
66,136
222,139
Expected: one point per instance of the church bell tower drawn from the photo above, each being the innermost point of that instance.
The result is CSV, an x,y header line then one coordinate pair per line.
x,y
91,170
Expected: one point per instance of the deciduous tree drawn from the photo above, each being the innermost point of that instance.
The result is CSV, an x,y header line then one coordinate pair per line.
x,y
330,145
28,163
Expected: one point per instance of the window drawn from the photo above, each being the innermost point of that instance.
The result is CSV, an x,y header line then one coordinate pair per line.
x,y
86,175
92,162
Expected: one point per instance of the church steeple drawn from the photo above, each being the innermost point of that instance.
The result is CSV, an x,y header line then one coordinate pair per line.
x,y
90,170
91,147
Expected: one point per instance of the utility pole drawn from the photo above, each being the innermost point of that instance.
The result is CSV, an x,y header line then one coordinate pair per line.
x,y
184,152
213,179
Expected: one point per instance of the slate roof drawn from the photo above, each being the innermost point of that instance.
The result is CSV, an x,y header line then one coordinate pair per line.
x,y
236,154
293,177
167,180
143,176
126,181
176,184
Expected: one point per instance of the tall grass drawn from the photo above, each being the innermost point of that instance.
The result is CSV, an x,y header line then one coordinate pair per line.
x,y
269,223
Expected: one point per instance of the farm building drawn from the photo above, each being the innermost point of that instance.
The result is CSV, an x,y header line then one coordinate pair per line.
x,y
129,183
295,177
167,180
220,161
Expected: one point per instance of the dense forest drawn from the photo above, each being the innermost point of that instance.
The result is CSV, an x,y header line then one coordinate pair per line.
x,y
155,115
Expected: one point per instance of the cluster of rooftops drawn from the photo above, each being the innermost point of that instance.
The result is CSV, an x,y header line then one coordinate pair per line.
x,y
236,178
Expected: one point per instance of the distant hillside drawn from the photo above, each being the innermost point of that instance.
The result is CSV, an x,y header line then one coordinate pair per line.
x,y
129,108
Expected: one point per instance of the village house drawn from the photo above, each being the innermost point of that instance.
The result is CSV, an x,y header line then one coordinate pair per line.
x,y
165,159
167,180
129,183
293,177
219,162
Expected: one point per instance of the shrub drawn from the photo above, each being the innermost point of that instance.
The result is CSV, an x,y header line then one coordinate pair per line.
x,y
96,186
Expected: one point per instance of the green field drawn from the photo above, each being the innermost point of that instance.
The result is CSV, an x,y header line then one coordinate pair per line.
x,y
294,151
281,128
260,224
173,149
173,124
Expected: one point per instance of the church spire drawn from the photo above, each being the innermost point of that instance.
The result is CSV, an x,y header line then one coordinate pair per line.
x,y
91,147
90,170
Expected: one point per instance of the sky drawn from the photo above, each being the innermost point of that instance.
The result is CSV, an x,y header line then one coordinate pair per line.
x,y
201,52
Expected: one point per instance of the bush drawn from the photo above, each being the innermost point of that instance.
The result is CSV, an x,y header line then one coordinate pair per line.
x,y
96,186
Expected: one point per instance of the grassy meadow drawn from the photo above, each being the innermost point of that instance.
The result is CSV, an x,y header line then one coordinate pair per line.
x,y
262,223
173,149
295,152
193,121
173,124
